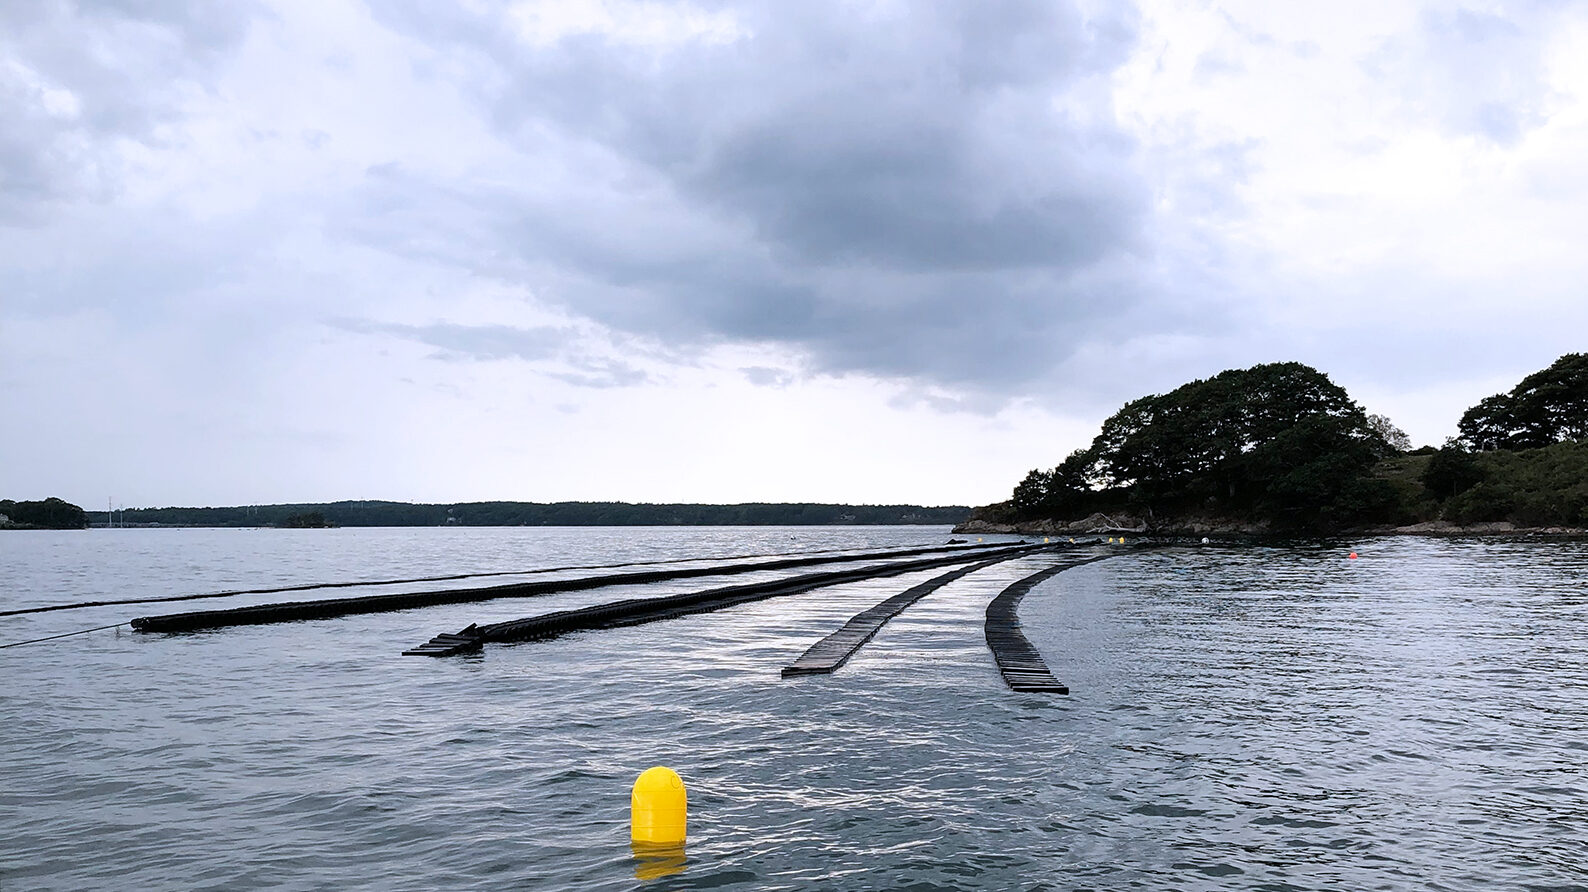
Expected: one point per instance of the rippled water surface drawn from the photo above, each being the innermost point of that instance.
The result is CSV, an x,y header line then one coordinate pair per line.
x,y
1239,718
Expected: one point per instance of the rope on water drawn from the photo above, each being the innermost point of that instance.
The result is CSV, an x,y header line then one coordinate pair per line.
x,y
318,585
62,635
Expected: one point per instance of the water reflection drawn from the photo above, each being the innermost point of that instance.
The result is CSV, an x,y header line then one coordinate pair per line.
x,y
652,861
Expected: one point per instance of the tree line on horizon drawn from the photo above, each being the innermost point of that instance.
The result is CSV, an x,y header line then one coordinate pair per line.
x,y
1281,444
1278,443
405,514
46,514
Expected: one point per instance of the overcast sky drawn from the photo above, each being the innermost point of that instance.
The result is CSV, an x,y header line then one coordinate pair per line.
x,y
873,252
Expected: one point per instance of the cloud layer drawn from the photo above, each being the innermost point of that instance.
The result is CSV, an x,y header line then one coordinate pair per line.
x,y
283,222
935,193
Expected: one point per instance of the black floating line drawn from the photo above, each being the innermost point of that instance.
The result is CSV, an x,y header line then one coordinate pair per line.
x,y
1020,664
634,611
364,583
826,655
289,611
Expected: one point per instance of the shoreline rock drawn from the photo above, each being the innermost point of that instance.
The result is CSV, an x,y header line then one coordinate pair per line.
x,y
1224,527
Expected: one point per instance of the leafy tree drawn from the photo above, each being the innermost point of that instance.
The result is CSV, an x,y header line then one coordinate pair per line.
x,y
1394,436
1549,406
1279,439
1031,494
1072,483
1451,471
1532,487
1300,474
1224,439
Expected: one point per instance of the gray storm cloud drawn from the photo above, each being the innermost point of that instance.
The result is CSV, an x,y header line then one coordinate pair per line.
x,y
543,343
931,191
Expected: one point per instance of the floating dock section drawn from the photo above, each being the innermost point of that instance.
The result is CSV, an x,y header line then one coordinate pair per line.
x,y
332,607
634,611
826,655
1018,661
368,583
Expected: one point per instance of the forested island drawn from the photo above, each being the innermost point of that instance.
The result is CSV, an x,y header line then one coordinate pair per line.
x,y
48,514
405,514
1280,448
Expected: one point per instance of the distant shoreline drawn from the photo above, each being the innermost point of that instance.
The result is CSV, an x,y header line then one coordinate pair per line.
x,y
101,525
534,514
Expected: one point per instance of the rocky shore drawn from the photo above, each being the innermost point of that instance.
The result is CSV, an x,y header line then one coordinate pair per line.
x,y
1209,526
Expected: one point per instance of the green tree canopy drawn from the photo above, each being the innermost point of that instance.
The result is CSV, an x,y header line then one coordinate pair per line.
x,y
1279,439
1451,471
1394,436
52,514
1549,406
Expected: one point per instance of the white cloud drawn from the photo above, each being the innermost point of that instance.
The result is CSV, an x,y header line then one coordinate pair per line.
x,y
540,23
1361,216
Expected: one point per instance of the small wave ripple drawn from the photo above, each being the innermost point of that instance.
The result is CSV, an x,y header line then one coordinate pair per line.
x,y
1263,718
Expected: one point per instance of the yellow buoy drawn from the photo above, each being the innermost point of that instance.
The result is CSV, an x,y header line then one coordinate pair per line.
x,y
657,807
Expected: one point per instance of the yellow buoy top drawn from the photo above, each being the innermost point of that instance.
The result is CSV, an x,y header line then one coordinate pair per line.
x,y
658,806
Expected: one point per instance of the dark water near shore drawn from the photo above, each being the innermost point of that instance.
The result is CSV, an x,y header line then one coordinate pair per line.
x,y
1240,718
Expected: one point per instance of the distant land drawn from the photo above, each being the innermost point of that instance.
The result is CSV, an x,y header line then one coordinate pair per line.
x,y
49,514
535,514
1280,448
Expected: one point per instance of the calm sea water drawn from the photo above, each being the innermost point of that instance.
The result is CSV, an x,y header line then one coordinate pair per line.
x,y
1240,718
